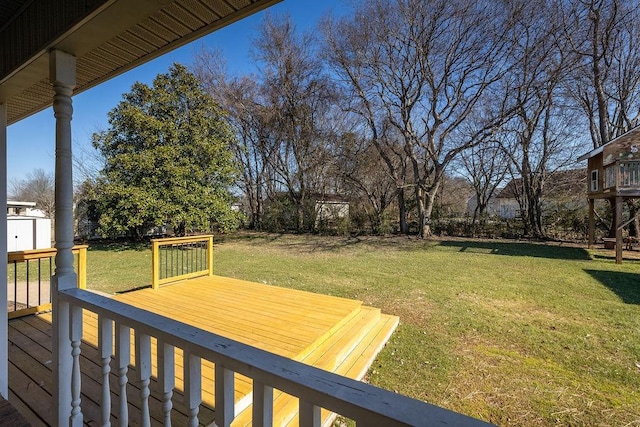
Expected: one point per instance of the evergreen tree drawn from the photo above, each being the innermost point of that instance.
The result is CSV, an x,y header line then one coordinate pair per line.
x,y
167,160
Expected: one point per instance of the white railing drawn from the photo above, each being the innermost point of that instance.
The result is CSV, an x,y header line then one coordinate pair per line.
x,y
365,404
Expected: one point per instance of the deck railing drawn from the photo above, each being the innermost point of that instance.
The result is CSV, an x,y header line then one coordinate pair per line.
x,y
29,279
365,404
623,174
181,258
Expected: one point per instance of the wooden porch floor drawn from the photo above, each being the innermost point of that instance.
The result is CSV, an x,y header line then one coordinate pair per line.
x,y
335,334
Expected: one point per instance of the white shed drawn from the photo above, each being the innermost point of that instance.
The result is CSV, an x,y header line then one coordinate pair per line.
x,y
26,227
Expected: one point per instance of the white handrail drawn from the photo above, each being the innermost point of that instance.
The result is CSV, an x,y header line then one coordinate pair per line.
x,y
364,403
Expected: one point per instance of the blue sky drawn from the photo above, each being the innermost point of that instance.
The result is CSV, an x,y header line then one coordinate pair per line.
x,y
30,142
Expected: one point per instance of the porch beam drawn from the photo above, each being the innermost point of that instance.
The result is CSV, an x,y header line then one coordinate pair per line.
x,y
62,75
4,321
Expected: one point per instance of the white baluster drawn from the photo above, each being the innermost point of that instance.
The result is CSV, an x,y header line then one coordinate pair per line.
x,y
192,386
123,357
262,405
105,345
309,414
143,367
75,332
224,396
166,378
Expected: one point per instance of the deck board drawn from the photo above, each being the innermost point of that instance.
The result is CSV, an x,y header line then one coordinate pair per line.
x,y
328,332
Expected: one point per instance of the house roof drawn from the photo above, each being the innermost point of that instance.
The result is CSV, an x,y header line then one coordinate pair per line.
x,y
557,183
17,204
630,137
107,37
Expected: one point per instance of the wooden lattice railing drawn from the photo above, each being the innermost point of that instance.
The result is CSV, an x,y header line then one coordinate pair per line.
x,y
29,279
181,258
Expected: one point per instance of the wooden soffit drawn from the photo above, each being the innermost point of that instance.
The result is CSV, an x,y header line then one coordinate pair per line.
x,y
107,38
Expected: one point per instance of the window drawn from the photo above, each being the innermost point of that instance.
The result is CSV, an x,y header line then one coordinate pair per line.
x,y
610,177
594,180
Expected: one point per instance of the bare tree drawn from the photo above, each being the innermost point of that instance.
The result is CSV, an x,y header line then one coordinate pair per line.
x,y
240,97
298,100
538,134
604,34
486,166
283,117
416,71
38,187
366,177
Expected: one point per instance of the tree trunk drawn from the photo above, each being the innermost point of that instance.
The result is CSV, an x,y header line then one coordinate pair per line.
x,y
428,202
633,211
402,212
300,214
424,230
612,227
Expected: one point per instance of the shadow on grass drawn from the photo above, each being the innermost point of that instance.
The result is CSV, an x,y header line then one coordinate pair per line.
x,y
310,243
119,246
138,288
519,249
625,285
299,242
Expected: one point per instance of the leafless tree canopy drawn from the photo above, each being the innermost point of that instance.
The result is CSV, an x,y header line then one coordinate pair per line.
x,y
383,104
38,187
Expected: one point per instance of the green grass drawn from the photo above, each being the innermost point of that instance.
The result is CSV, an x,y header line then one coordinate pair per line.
x,y
118,267
513,333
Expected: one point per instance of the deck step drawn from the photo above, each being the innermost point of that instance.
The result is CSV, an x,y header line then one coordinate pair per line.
x,y
349,352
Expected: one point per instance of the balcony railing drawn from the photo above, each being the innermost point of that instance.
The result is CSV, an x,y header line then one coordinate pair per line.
x,y
623,175
365,404
29,279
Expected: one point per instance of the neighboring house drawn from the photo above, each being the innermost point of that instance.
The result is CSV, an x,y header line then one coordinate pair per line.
x,y
24,209
27,227
330,208
493,208
562,188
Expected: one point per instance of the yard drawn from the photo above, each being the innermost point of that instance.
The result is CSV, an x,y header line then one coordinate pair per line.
x,y
512,333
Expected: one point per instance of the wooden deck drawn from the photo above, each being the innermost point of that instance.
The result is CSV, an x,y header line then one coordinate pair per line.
x,y
336,334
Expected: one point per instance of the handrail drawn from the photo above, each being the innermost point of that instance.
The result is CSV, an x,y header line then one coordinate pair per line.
x,y
366,404
196,266
19,256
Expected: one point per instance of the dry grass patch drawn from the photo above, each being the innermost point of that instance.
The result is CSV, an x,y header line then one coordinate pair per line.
x,y
507,387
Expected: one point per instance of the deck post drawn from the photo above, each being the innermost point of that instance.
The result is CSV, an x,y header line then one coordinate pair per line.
x,y
591,238
210,255
618,222
4,321
62,75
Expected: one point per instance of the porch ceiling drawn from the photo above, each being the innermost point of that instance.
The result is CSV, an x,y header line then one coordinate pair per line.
x,y
108,37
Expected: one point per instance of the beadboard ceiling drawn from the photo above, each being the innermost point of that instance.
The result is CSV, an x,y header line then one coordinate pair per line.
x,y
107,38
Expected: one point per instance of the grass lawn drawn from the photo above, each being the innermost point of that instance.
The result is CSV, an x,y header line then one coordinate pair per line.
x,y
512,333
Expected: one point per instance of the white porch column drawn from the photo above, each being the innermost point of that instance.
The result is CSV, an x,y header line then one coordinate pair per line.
x,y
62,74
4,322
